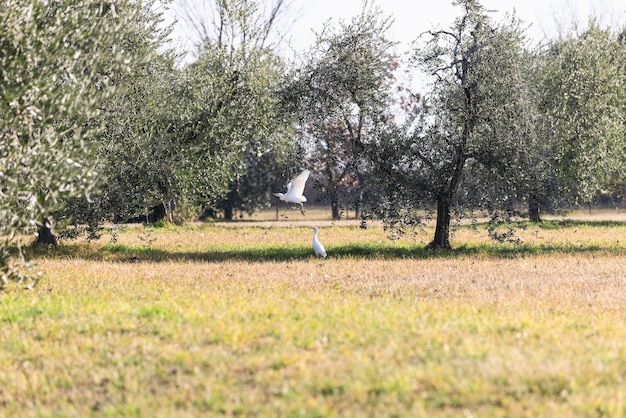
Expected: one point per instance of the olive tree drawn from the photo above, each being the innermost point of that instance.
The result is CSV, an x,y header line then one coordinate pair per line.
x,y
238,113
582,102
171,140
237,43
51,55
339,95
466,147
132,146
177,137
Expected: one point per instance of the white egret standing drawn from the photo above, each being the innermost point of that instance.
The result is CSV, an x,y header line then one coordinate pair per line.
x,y
295,190
317,246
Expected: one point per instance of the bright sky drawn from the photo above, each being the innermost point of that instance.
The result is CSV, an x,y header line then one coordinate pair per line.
x,y
546,18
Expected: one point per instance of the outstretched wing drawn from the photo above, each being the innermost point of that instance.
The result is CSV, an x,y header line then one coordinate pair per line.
x,y
296,185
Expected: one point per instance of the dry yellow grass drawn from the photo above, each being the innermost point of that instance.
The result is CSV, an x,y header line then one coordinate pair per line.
x,y
171,332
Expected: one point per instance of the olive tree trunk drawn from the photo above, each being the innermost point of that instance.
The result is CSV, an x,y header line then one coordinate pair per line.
x,y
45,236
533,209
442,228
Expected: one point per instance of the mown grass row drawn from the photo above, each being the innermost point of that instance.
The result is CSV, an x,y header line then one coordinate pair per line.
x,y
268,253
259,248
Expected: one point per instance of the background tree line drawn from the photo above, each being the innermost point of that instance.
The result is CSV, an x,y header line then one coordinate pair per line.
x,y
102,123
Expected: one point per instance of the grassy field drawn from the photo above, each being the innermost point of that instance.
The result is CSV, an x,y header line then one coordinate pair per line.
x,y
223,320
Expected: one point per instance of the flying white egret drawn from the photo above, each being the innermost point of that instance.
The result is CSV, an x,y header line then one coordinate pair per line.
x,y
317,246
295,190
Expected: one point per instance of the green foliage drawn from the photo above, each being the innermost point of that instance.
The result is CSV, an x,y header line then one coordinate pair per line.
x,y
53,55
234,90
582,99
137,144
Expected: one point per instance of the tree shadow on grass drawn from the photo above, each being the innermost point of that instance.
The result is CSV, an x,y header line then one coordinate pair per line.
x,y
570,223
282,253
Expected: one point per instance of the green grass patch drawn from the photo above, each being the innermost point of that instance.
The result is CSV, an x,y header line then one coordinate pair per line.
x,y
280,252
283,352
573,223
261,244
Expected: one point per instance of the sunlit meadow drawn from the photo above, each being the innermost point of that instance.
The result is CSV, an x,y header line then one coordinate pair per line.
x,y
242,320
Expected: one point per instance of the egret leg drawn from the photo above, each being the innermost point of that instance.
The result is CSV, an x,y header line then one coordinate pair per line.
x,y
302,208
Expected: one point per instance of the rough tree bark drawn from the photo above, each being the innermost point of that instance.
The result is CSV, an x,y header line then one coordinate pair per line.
x,y
335,208
45,236
229,212
533,209
442,229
